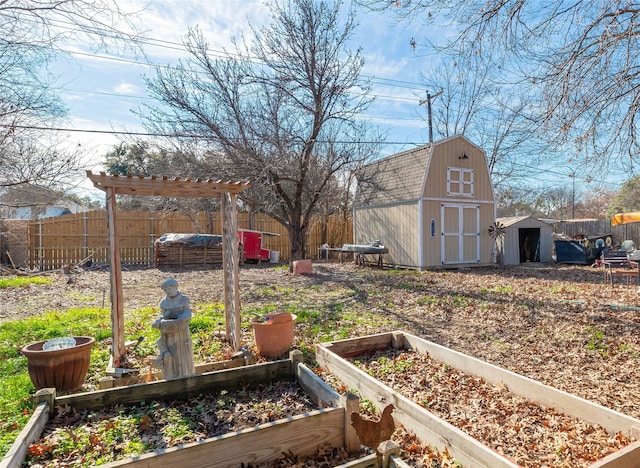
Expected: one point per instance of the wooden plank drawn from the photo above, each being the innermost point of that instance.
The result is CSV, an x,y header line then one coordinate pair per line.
x,y
323,395
349,347
302,435
187,387
627,457
517,384
115,274
397,462
227,364
528,388
427,427
370,461
130,185
351,404
30,433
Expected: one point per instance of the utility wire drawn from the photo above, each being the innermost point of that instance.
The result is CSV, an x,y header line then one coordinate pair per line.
x,y
182,135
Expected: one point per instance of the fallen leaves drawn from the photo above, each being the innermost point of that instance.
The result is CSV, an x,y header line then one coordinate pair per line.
x,y
529,434
560,325
88,438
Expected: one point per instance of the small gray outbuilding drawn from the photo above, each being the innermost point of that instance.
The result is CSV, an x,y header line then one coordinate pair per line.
x,y
526,239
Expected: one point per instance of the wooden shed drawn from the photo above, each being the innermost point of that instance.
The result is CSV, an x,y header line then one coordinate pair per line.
x,y
526,239
430,206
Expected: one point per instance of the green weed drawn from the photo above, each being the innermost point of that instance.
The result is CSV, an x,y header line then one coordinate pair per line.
x,y
21,282
596,341
427,300
459,300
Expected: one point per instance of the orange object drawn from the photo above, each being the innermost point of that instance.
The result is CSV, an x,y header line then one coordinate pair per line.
x,y
625,218
302,267
373,433
273,337
279,318
62,368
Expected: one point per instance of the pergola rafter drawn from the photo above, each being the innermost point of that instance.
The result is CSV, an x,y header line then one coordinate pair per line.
x,y
227,191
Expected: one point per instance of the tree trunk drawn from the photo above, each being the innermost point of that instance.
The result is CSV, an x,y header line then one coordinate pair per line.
x,y
297,240
323,230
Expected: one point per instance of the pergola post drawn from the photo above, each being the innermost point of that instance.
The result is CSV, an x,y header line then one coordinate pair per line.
x,y
230,259
115,274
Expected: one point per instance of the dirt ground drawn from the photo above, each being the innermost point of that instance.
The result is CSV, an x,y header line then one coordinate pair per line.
x,y
558,324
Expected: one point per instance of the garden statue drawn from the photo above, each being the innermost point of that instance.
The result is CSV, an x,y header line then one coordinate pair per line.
x,y
175,348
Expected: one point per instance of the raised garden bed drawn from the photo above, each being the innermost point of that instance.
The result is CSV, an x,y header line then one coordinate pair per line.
x,y
324,430
130,376
445,379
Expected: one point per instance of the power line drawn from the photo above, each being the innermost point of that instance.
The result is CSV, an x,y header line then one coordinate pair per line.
x,y
172,45
393,143
183,135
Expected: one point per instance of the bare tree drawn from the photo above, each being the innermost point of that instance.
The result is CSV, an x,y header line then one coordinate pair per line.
x,y
579,57
32,36
471,101
281,112
141,158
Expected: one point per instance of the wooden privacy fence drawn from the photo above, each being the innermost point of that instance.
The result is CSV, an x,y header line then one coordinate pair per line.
x,y
63,240
597,227
70,239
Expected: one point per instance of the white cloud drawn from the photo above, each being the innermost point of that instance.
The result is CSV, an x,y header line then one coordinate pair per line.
x,y
167,22
128,88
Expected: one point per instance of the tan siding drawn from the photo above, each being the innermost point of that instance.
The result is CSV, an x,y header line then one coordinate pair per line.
x,y
510,242
431,245
446,154
486,241
397,228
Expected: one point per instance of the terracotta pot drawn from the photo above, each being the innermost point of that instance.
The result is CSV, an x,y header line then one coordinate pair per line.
x,y
64,369
273,333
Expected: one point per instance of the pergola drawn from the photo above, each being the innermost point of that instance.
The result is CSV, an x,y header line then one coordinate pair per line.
x,y
228,191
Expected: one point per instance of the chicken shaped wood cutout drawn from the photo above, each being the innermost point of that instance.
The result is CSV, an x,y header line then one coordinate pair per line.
x,y
372,433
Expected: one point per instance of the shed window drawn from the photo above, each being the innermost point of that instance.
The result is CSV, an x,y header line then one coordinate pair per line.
x,y
459,182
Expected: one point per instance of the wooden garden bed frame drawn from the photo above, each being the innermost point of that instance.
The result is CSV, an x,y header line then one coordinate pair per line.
x,y
126,377
301,435
436,431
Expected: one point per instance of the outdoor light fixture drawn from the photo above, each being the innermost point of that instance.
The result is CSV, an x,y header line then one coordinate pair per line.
x,y
464,156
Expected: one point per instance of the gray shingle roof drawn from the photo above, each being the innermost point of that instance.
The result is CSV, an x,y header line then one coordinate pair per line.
x,y
396,178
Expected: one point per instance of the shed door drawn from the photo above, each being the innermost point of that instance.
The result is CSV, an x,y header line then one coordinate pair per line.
x,y
460,233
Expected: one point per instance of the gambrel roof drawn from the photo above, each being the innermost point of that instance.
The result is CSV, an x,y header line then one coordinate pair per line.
x,y
392,179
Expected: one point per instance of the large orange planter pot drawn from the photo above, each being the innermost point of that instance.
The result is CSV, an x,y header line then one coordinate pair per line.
x,y
64,369
273,333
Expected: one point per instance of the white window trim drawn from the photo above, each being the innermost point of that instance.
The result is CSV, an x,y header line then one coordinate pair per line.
x,y
461,171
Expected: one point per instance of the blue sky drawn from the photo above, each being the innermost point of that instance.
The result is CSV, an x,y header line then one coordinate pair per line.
x,y
101,89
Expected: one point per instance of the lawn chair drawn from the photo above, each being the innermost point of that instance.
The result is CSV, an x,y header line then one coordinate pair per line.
x,y
616,262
